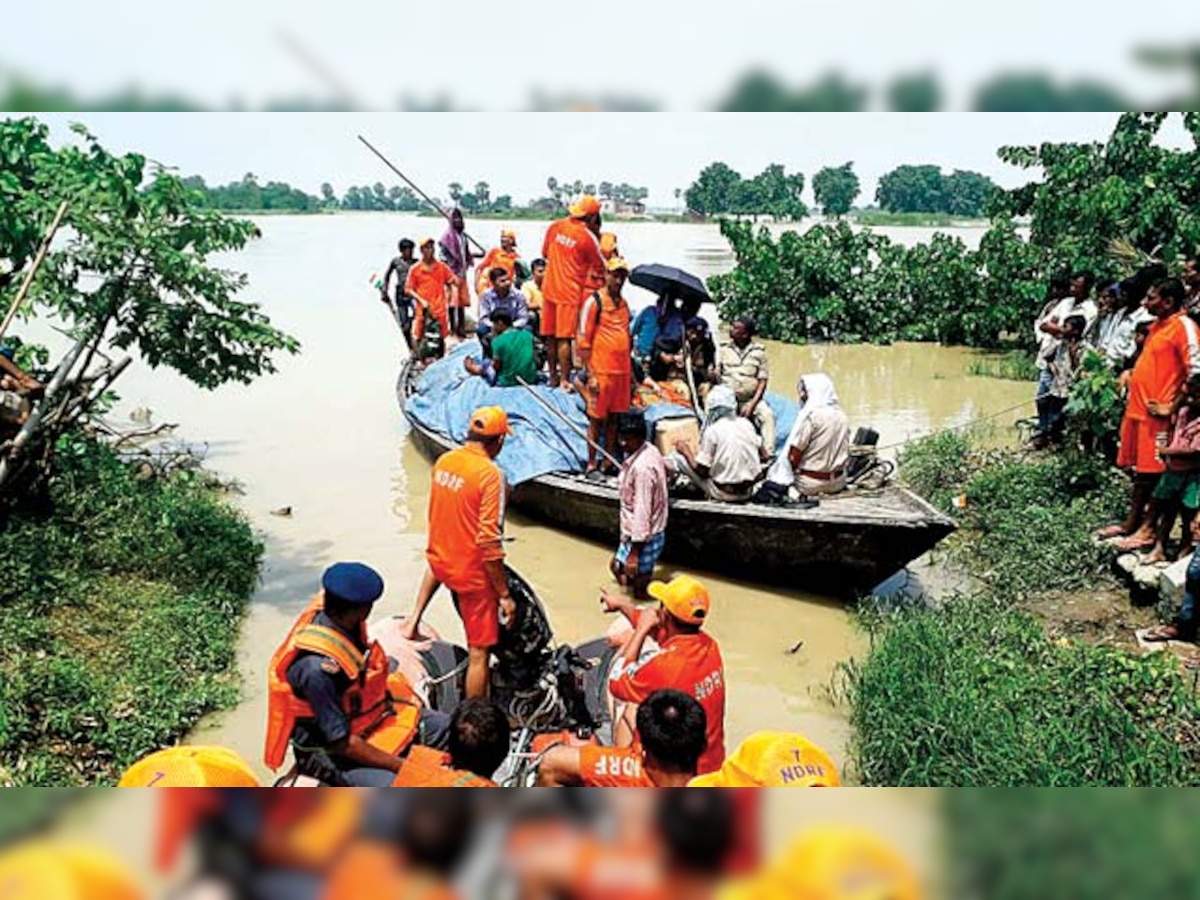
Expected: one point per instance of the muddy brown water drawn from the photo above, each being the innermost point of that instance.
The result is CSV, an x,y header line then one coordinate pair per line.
x,y
324,436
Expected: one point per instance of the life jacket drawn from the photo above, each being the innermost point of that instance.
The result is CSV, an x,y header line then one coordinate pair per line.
x,y
382,706
426,767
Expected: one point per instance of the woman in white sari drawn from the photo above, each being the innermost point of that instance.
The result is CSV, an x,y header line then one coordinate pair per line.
x,y
813,460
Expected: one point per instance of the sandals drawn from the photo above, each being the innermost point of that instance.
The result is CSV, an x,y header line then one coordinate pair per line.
x,y
1131,544
1161,634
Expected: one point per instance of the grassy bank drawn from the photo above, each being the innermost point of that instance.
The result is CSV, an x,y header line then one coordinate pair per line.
x,y
881,218
122,599
977,692
1016,365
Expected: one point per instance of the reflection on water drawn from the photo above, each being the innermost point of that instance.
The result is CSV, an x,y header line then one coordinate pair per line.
x,y
325,437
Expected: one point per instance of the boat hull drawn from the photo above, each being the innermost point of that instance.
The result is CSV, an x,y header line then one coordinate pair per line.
x,y
845,546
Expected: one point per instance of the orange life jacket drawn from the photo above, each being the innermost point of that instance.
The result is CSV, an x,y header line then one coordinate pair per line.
x,y
426,767
382,706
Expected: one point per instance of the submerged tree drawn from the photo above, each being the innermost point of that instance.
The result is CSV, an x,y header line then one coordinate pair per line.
x,y
836,189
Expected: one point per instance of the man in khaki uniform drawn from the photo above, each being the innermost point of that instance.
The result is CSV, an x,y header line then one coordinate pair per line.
x,y
742,365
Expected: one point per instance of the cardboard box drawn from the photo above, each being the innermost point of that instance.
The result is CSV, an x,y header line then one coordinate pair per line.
x,y
668,431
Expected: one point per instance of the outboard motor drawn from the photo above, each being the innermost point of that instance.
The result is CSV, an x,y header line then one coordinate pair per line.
x,y
862,452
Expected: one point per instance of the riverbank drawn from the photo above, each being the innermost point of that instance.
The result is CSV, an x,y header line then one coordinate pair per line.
x,y
123,594
1033,676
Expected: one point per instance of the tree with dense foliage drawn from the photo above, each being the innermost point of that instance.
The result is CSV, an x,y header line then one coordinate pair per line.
x,y
1036,92
714,191
133,267
761,91
719,190
835,283
836,189
924,189
915,93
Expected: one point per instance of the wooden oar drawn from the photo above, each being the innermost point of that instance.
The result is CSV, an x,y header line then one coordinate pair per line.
x,y
575,428
413,185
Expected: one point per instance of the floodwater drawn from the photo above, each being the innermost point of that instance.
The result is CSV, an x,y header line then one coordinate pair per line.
x,y
325,438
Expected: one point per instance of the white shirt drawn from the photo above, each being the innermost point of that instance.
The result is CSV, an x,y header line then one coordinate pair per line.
x,y
1066,308
823,439
729,449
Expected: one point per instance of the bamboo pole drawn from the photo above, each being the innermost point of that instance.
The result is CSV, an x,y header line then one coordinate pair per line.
x,y
37,262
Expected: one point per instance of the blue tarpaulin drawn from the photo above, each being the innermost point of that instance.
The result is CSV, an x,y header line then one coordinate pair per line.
x,y
540,443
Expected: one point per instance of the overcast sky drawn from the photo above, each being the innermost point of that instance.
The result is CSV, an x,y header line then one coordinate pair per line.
x,y
515,153
490,55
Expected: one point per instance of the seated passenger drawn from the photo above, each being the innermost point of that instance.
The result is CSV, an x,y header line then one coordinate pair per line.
x,y
513,355
502,296
730,458
671,736
742,367
479,744
813,460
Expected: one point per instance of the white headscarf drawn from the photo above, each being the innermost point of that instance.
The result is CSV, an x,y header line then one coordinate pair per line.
x,y
821,395
721,402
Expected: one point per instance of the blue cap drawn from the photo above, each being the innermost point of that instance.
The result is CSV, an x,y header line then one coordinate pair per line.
x,y
353,582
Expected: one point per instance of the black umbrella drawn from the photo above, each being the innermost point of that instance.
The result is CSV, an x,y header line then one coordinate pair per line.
x,y
669,280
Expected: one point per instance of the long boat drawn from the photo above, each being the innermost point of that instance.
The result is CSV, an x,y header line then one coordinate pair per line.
x,y
846,545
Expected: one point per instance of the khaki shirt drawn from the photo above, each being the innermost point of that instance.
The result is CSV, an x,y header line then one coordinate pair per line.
x,y
742,369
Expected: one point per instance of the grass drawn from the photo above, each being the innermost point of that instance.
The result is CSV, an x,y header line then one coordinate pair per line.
x,y
1016,365
881,218
976,694
122,601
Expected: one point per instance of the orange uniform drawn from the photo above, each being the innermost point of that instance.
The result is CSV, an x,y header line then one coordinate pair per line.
x,y
612,767
690,663
466,514
497,258
573,266
376,871
1171,353
426,767
429,283
605,333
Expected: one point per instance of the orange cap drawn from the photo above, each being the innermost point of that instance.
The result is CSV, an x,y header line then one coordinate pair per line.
x,y
608,244
684,597
774,759
616,264
490,421
190,767
508,233
587,206
426,240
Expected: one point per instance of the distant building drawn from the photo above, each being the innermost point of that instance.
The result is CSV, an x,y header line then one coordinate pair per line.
x,y
612,207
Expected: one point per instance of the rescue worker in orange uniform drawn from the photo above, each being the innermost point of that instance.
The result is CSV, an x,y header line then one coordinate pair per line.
x,y
331,694
465,551
431,285
774,759
416,857
604,351
503,257
671,735
574,267
478,744
684,658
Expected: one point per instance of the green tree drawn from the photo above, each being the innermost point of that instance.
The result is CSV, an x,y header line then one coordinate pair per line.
x,y
483,194
915,93
1039,93
967,193
836,189
328,197
606,190
761,91
715,191
912,189
456,191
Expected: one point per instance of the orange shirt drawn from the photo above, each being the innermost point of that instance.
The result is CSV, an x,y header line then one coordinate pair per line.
x,y
426,767
607,334
466,512
1171,353
376,871
429,283
606,871
690,663
612,767
497,258
573,262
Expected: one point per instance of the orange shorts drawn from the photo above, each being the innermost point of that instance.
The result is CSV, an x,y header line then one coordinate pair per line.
x,y
460,294
560,320
614,395
480,614
442,317
612,767
1141,440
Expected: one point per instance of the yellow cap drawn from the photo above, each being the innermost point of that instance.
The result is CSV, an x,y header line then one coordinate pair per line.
x,y
833,863
508,233
426,240
587,206
616,264
774,759
490,421
47,870
608,244
684,597
190,767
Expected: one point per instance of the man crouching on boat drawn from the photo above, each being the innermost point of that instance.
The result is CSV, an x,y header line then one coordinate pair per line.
x,y
331,694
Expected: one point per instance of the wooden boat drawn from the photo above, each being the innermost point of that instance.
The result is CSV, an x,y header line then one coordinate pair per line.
x,y
846,545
